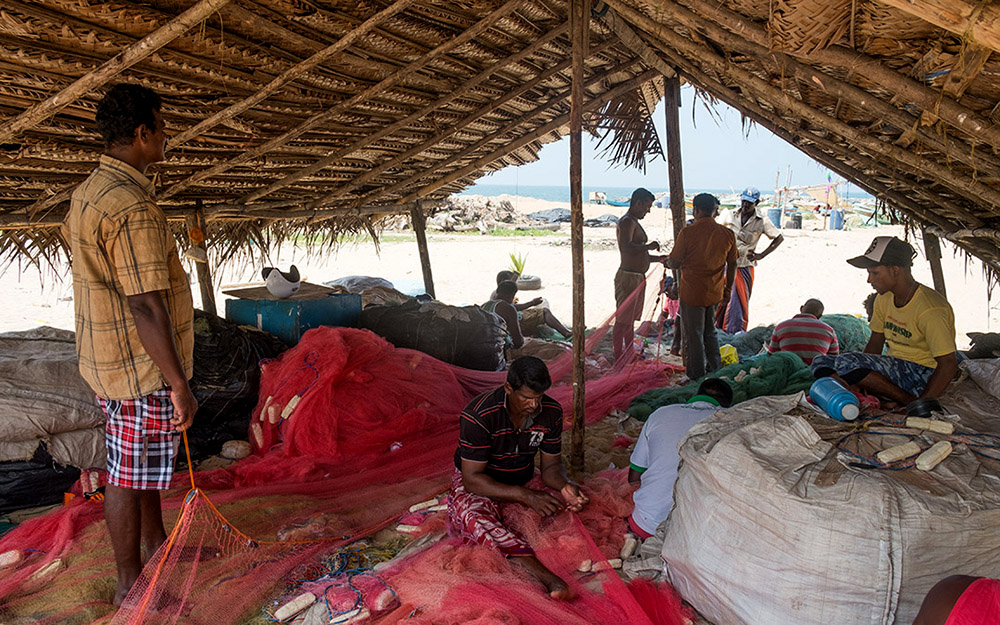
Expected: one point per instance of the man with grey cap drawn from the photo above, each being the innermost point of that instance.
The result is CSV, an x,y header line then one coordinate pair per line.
x,y
747,224
916,323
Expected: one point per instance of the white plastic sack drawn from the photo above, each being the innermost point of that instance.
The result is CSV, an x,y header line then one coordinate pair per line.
x,y
43,397
753,540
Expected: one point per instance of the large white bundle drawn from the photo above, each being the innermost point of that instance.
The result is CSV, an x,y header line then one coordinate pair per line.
x,y
754,539
43,397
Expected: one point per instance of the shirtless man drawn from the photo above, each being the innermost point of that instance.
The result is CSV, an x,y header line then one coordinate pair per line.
x,y
634,246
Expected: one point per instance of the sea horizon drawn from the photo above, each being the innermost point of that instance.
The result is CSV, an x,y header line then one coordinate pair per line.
x,y
560,193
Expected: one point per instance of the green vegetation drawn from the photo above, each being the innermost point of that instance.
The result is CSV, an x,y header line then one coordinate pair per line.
x,y
517,263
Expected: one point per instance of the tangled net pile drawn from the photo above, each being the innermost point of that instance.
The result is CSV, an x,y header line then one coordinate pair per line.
x,y
348,433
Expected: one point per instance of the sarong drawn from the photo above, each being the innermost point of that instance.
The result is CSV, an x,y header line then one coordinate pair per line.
x,y
732,318
478,519
627,283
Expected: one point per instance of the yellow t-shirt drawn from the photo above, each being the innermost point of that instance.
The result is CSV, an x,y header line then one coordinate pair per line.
x,y
920,331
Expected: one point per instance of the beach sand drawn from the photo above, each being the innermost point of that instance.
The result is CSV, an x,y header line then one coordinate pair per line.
x,y
810,263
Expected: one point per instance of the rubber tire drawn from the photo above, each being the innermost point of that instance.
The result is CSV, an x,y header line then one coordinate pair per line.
x,y
529,283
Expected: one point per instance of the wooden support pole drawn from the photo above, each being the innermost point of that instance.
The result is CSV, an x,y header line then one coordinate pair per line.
x,y
419,222
195,223
932,247
579,12
675,173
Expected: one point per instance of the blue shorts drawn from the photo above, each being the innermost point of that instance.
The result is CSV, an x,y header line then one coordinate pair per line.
x,y
853,366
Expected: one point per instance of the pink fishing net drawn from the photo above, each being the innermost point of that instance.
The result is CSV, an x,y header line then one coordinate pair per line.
x,y
348,433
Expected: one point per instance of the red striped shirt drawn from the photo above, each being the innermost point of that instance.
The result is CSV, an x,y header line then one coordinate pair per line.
x,y
805,336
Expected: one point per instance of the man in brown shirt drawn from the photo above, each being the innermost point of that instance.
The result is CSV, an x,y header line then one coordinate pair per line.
x,y
134,323
706,254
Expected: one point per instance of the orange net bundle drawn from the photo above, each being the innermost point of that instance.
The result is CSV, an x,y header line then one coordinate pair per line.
x,y
349,432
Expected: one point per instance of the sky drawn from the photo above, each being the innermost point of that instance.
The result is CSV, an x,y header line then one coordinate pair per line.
x,y
718,153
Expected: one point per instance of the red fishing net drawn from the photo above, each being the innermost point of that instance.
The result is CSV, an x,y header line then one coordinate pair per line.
x,y
348,433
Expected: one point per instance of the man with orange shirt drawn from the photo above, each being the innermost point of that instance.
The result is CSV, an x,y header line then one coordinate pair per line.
x,y
706,254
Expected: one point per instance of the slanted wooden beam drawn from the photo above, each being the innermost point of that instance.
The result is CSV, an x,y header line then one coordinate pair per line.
x,y
233,212
973,20
785,65
445,133
579,14
466,87
975,127
292,73
559,99
195,223
811,145
669,41
320,118
520,142
113,67
419,221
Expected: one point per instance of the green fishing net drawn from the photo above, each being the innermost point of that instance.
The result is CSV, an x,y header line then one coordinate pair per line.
x,y
783,373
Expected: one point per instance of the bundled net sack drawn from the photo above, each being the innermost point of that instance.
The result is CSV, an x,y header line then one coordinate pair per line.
x,y
465,336
226,387
795,520
43,398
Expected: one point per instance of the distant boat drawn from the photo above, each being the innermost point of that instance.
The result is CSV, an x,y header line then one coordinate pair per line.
x,y
617,202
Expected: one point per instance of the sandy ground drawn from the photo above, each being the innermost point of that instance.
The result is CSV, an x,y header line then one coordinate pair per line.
x,y
810,263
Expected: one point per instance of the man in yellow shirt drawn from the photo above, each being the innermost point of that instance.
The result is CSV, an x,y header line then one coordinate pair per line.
x,y
916,323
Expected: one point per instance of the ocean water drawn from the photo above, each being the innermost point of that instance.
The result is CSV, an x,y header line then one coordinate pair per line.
x,y
556,193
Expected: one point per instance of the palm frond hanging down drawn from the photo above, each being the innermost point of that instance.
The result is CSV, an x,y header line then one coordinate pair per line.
x,y
627,133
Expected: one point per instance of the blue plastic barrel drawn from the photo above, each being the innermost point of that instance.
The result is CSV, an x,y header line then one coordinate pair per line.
x,y
835,400
836,219
774,215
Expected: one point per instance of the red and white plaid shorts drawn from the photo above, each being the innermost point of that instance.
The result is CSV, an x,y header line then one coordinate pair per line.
x,y
142,443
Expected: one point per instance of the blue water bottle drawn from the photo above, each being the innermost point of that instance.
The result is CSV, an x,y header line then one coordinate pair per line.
x,y
838,402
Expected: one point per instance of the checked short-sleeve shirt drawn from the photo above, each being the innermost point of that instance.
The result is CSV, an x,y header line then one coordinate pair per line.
x,y
487,434
121,246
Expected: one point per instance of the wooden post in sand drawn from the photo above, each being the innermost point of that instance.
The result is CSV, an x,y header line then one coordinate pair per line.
x,y
195,223
419,221
675,174
932,247
579,12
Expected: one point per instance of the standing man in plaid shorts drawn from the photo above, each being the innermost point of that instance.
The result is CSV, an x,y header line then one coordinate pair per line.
x,y
134,323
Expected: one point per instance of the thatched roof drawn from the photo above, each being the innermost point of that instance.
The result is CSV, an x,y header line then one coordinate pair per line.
x,y
901,97
286,114
324,114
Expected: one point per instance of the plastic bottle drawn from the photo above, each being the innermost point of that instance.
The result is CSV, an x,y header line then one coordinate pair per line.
x,y
838,402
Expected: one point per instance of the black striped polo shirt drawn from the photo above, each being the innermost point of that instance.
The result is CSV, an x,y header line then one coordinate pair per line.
x,y
487,434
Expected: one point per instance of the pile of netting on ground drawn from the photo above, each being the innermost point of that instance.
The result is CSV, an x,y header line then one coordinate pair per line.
x,y
349,432
782,373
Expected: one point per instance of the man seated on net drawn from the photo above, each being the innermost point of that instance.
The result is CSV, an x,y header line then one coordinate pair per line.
x,y
916,323
503,305
654,460
804,334
500,433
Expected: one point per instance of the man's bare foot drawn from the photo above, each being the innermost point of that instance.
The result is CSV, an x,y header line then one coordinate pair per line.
x,y
561,592
554,585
